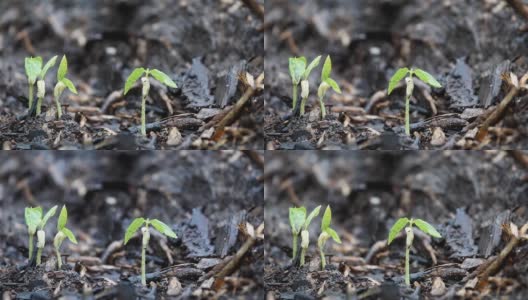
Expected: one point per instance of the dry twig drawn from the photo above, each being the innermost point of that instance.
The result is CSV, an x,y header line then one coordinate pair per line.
x,y
255,8
519,7
497,115
233,264
496,264
232,115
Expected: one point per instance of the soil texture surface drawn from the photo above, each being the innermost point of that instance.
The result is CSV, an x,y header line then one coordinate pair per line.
x,y
475,49
476,200
210,49
212,200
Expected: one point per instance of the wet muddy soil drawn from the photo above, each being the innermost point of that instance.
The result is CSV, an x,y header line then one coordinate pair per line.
x,y
470,197
205,46
469,46
212,200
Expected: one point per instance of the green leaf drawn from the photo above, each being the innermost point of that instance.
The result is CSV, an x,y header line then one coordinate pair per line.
x,y
427,228
312,65
63,69
396,228
132,228
327,68
297,66
327,218
33,67
399,75
333,84
163,78
134,76
427,78
33,217
312,215
333,234
63,218
48,65
48,215
297,218
163,228
69,234
69,85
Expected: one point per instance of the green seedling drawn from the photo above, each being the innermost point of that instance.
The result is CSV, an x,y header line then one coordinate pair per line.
x,y
299,74
34,221
326,83
62,233
402,223
33,66
135,225
399,75
33,216
62,83
134,76
34,71
326,232
299,224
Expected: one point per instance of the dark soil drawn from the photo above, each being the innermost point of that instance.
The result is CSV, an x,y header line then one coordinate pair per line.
x,y
468,196
203,196
202,45
466,45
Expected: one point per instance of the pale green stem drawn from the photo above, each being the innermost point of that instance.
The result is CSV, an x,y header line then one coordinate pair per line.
x,y
59,89
41,242
59,258
408,94
39,104
30,246
303,104
407,275
323,259
59,109
143,271
323,108
305,92
305,242
41,93
407,117
408,245
146,238
143,117
146,88
294,248
39,256
30,95
294,95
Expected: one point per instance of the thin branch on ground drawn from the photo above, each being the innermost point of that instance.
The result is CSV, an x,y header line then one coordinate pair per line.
x,y
255,8
498,114
519,7
232,265
233,115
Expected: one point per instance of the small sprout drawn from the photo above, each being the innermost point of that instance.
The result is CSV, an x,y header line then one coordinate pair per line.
x,y
41,84
33,216
398,226
134,76
62,233
33,66
398,76
326,232
62,83
134,226
299,74
35,220
299,224
326,83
